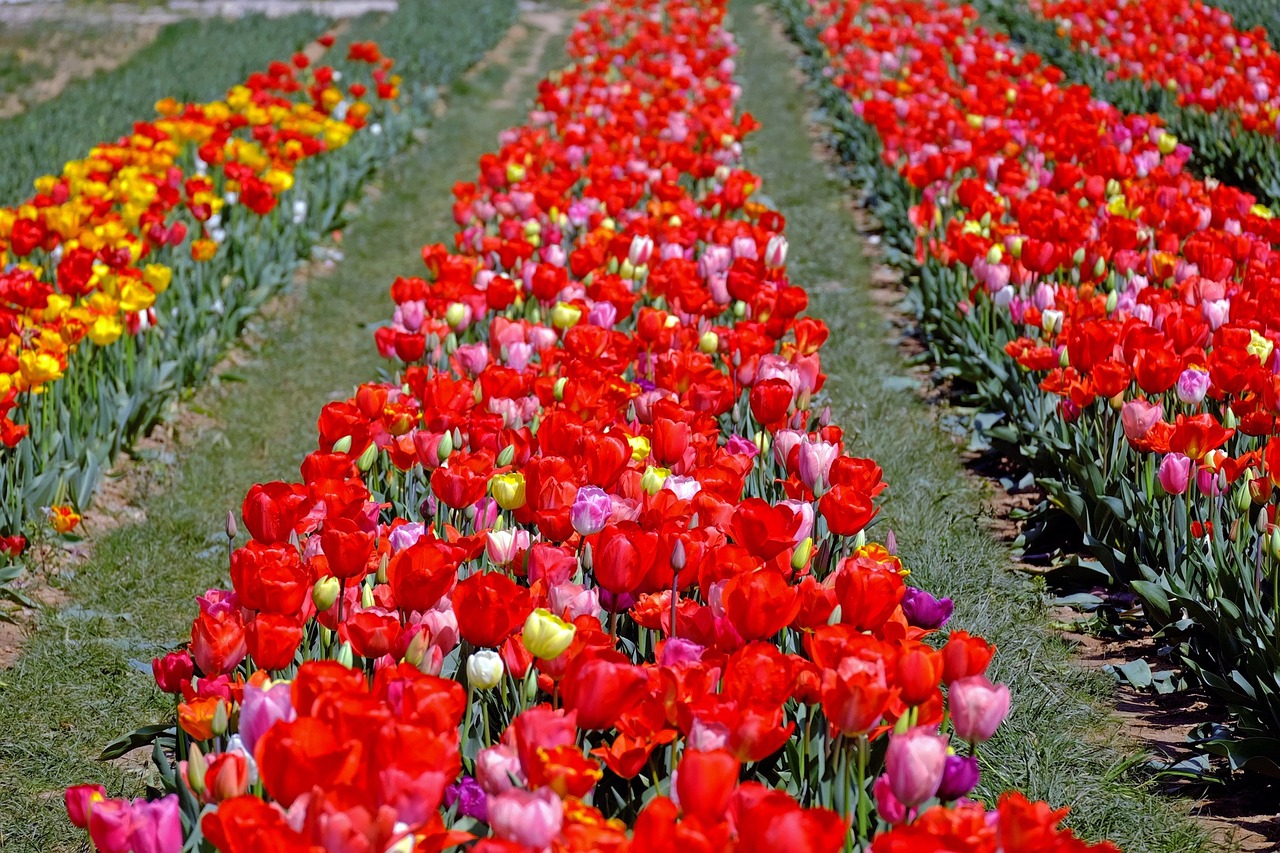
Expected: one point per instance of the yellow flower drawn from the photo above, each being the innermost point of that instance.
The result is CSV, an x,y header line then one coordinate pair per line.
x,y
105,331
1260,346
639,447
136,296
508,490
565,315
336,135
158,276
37,368
546,635
653,479
63,519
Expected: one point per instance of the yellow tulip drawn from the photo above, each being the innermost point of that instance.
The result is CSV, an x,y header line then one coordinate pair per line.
x,y
546,635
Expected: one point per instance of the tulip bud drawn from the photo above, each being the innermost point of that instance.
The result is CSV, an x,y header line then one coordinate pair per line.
x,y
678,556
220,720
1099,267
381,576
739,309
1015,247
365,462
508,490
558,389
506,456
1229,419
345,655
1273,544
416,653
709,342
775,252
1242,499
342,445
445,447
995,254
197,767
366,596
627,270
1113,299
485,669
800,556
546,635
325,592
1051,321
565,315
653,479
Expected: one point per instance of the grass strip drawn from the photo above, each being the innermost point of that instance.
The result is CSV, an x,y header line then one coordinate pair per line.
x,y
80,682
1060,744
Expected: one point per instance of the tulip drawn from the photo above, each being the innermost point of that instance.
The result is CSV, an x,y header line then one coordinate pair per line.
x,y
890,809
546,635
173,671
959,778
485,669
496,766
1138,417
80,800
914,764
530,818
1193,385
469,796
591,509
261,708
509,490
924,611
1175,473
978,707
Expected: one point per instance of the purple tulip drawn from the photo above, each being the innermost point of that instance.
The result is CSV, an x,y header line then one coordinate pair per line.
x,y
470,798
958,778
591,509
924,611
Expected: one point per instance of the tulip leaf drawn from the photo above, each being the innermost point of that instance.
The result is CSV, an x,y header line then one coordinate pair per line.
x,y
137,738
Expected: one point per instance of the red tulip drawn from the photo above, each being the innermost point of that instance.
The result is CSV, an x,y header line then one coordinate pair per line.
x,y
490,607
422,574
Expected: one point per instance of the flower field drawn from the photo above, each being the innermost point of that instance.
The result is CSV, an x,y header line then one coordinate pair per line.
x,y
1113,306
588,563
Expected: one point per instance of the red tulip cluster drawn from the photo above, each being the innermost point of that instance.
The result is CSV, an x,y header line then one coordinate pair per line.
x,y
1140,298
591,573
1187,46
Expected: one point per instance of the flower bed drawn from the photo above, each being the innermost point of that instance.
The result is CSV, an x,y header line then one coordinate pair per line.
x,y
220,200
1112,306
591,572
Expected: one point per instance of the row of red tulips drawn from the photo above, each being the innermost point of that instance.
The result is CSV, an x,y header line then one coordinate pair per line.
x,y
1119,311
592,572
1224,68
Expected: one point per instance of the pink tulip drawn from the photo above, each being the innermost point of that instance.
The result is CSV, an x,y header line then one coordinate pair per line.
x,y
1138,417
261,709
815,462
495,767
978,707
80,800
1175,473
914,764
887,805
591,510
531,818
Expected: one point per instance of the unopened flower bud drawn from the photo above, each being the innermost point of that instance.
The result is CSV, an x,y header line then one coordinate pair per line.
x,y
800,556
558,389
485,669
506,456
218,725
342,445
678,556
366,596
366,460
709,342
233,529
197,767
445,447
345,655
325,593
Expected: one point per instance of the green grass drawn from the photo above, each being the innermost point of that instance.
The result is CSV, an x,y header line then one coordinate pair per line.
x,y
1060,742
78,683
